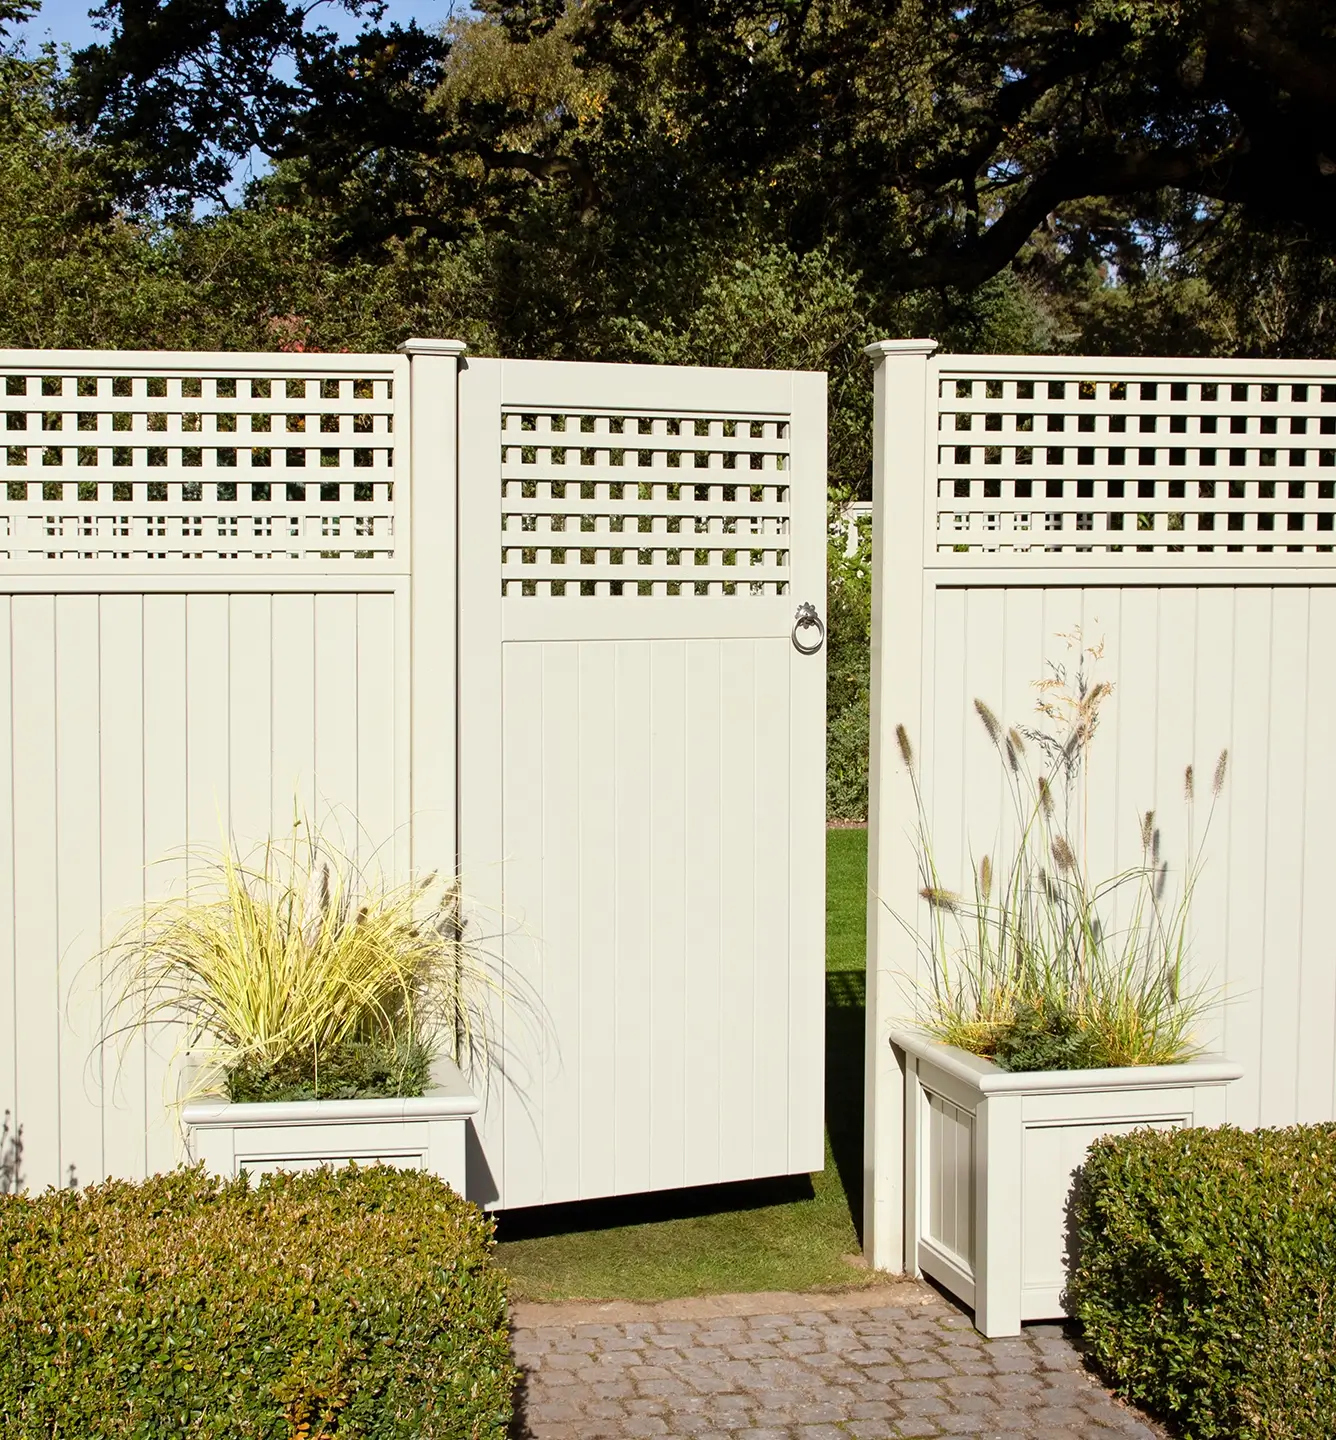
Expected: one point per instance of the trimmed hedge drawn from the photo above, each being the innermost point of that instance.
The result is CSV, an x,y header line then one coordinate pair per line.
x,y
1206,1277
356,1303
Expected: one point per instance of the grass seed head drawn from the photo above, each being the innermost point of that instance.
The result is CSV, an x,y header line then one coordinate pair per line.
x,y
1062,854
906,749
1218,780
990,721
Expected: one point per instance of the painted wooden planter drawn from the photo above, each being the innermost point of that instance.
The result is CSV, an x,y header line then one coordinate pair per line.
x,y
423,1132
990,1157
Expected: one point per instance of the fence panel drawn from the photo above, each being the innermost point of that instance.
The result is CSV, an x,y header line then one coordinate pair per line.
x,y
203,623
1178,516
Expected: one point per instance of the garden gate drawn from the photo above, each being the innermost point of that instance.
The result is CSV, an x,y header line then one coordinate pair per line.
x,y
642,723
228,582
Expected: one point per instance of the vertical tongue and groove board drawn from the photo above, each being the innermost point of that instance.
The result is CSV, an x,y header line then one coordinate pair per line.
x,y
642,745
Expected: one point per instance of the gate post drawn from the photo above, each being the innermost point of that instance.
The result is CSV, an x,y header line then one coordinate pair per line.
x,y
434,558
903,456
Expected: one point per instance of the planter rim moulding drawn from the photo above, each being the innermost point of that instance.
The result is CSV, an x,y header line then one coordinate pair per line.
x,y
990,1079
449,1097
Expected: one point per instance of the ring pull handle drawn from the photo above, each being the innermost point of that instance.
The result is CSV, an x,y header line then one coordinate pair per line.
x,y
806,616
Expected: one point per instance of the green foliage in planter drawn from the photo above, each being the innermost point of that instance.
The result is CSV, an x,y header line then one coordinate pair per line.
x,y
355,1069
356,1303
1039,1039
848,662
1206,1278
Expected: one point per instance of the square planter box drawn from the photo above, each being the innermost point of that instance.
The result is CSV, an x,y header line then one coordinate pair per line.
x,y
421,1132
990,1157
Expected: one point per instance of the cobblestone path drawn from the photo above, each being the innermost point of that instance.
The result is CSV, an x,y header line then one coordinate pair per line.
x,y
869,1365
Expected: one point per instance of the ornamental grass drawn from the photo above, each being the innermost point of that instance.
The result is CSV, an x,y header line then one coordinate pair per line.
x,y
293,974
1040,965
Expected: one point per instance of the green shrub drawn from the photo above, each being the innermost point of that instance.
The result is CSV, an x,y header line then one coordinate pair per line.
x,y
848,662
356,1303
1206,1277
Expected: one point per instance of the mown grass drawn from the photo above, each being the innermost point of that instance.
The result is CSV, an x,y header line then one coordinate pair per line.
x,y
797,1233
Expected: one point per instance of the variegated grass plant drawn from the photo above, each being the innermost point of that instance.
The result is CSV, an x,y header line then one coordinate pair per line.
x,y
1041,965
292,968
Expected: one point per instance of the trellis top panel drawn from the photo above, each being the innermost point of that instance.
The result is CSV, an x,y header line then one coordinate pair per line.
x,y
1124,459
125,458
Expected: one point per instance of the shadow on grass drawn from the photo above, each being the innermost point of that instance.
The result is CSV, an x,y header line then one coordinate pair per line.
x,y
844,1125
846,996
649,1209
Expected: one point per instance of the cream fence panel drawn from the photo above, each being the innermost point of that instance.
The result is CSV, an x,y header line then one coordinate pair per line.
x,y
641,800
1181,513
204,620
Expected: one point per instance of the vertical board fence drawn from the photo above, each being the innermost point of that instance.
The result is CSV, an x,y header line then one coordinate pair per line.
x,y
1177,516
203,624
234,585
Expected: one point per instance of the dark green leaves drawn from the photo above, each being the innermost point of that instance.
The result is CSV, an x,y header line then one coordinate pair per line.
x,y
363,1303
1206,1278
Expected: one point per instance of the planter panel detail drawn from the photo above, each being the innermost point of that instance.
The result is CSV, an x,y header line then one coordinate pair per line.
x,y
426,1132
990,1158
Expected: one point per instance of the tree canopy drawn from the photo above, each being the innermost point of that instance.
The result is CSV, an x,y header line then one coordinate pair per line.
x,y
718,181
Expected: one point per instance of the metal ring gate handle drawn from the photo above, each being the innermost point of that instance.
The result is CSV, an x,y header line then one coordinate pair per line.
x,y
806,615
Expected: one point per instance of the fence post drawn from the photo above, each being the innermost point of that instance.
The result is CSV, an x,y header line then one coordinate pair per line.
x,y
902,464
434,556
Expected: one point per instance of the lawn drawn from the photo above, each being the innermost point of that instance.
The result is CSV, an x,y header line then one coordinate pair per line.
x,y
798,1233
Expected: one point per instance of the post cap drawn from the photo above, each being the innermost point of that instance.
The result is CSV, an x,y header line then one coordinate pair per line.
x,y
433,347
880,349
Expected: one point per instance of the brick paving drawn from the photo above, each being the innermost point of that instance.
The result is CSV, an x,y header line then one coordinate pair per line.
x,y
894,1361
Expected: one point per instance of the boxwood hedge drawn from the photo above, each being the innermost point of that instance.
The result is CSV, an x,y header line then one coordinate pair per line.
x,y
357,1303
1206,1277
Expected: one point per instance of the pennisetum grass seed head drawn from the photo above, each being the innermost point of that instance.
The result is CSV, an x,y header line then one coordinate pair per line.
x,y
1062,854
990,721
906,749
1218,780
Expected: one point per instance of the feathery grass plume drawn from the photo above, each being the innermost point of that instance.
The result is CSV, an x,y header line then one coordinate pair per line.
x,y
906,749
1187,784
281,959
989,721
1015,750
1218,780
1040,943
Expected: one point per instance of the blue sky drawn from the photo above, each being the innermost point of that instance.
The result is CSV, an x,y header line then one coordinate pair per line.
x,y
67,21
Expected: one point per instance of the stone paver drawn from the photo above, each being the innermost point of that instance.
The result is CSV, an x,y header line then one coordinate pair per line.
x,y
876,1364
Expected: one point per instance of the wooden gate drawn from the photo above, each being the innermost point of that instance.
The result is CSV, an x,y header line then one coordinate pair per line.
x,y
641,733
